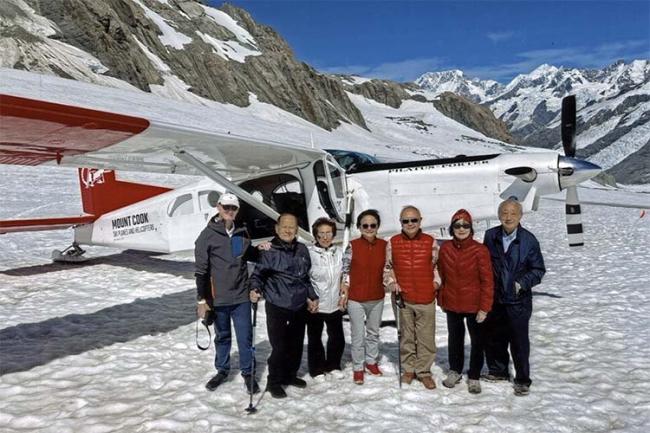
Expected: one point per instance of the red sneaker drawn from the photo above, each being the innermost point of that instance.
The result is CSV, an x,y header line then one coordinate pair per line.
x,y
374,369
357,376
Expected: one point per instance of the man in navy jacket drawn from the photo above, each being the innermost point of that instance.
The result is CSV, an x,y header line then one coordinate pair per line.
x,y
518,266
282,276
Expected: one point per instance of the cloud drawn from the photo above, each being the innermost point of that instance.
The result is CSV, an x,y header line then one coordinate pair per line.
x,y
571,57
497,37
405,70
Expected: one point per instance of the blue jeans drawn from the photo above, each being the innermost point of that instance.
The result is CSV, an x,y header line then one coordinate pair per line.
x,y
241,318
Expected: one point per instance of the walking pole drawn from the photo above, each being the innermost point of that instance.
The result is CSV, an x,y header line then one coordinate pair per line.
x,y
400,304
251,409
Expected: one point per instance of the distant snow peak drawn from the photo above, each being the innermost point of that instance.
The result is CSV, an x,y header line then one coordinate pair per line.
x,y
456,82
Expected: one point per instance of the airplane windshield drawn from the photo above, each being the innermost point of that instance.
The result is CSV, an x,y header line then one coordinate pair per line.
x,y
350,160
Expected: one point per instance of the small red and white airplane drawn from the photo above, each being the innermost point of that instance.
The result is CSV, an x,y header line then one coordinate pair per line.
x,y
268,177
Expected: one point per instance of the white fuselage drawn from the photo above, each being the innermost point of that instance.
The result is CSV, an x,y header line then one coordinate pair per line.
x,y
172,221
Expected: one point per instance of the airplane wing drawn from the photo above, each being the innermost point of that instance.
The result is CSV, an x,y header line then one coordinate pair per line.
x,y
34,132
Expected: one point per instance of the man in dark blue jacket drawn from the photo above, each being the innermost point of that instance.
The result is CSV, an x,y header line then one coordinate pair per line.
x,y
518,266
282,276
221,252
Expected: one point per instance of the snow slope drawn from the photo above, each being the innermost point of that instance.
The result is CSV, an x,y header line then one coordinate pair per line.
x,y
109,346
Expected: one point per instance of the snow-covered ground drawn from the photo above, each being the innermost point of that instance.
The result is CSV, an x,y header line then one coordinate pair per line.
x,y
108,346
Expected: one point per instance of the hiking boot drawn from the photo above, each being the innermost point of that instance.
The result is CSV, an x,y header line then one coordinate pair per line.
x,y
298,383
452,379
216,380
428,382
521,389
357,377
276,390
407,378
251,384
490,377
474,386
374,369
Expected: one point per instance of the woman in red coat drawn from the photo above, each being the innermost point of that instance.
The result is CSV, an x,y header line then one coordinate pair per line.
x,y
466,296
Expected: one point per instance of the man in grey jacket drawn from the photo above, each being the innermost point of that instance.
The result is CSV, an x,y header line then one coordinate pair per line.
x,y
221,252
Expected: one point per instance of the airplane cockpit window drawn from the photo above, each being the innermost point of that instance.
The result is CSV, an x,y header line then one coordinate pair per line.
x,y
350,161
208,200
283,192
181,206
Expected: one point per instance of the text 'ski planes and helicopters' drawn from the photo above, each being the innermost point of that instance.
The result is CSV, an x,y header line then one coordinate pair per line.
x,y
268,177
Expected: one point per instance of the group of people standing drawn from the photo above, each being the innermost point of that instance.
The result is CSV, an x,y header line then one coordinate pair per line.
x,y
486,286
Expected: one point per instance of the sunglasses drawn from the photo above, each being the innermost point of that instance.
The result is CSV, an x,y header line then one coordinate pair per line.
x,y
462,226
231,207
325,234
369,226
410,221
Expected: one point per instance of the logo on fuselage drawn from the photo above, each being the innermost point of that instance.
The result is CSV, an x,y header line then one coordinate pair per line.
x,y
92,176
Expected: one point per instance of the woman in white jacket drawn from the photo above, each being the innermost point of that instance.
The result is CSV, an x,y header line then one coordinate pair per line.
x,y
326,266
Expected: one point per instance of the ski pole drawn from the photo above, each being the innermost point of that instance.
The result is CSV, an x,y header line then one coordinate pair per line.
x,y
400,304
251,409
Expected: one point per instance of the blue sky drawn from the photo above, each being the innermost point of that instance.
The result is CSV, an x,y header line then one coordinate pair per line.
x,y
400,40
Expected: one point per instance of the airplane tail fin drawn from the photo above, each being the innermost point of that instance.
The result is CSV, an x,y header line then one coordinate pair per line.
x,y
101,192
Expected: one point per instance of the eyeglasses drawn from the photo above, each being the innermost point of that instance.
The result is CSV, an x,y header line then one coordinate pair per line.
x,y
369,226
410,221
325,234
462,226
231,207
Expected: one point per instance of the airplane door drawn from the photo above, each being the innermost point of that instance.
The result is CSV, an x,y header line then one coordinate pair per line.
x,y
185,222
331,188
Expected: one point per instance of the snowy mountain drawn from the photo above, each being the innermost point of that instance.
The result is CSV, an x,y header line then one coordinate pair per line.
x,y
613,110
455,81
187,51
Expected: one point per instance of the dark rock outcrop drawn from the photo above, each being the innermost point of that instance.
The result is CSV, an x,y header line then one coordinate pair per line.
x,y
472,115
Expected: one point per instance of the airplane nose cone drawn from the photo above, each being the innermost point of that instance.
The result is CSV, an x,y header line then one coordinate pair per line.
x,y
575,171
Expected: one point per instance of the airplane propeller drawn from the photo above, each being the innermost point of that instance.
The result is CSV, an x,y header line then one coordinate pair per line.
x,y
570,168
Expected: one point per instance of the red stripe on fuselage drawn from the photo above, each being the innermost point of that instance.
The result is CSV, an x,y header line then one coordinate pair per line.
x,y
33,132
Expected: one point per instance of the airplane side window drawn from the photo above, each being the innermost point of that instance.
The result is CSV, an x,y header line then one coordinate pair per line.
x,y
181,206
208,200
337,180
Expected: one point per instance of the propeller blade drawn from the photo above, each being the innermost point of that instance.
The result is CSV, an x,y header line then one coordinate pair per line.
x,y
569,125
573,217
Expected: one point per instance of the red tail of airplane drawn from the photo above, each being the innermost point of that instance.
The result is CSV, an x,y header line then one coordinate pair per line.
x,y
101,193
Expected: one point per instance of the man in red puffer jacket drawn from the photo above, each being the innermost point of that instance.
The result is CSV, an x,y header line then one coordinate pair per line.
x,y
411,271
465,295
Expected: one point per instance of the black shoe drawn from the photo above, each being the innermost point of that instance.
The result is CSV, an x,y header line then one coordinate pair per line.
x,y
217,380
247,382
298,383
276,391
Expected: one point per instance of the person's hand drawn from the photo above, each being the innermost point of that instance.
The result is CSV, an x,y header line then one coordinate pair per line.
x,y
396,288
264,246
312,306
201,310
517,288
481,316
254,295
343,297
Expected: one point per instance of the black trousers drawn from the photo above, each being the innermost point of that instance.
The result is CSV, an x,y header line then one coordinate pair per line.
x,y
507,325
318,360
286,331
456,341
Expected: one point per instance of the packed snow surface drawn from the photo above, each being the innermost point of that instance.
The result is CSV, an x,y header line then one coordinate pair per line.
x,y
109,346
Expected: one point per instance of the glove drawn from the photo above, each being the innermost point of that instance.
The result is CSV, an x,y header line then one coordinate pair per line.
x,y
481,316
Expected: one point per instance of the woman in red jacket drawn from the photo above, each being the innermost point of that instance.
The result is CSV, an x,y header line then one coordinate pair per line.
x,y
466,296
